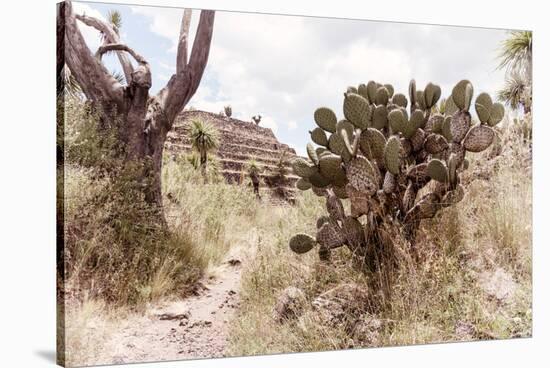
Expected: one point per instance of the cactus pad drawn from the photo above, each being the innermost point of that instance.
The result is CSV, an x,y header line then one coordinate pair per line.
x,y
318,136
337,146
325,119
435,143
418,174
362,175
380,117
425,208
389,87
462,94
312,154
356,108
460,124
382,96
437,170
412,92
453,196
303,184
435,123
400,100
301,243
432,93
318,180
398,120
359,201
330,235
321,220
372,143
390,183
479,138
420,102
497,114
450,107
340,191
417,140
372,87
446,128
353,232
335,208
483,107
391,155
302,168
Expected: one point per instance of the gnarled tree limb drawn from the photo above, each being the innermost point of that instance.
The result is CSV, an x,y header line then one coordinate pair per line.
x,y
92,76
111,36
181,58
119,47
182,85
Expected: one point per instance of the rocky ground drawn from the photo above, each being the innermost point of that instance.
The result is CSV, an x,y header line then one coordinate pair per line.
x,y
195,327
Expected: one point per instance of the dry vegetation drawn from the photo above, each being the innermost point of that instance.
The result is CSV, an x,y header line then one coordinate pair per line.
x,y
471,279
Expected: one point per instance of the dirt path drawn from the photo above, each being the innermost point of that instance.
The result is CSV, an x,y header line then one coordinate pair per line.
x,y
195,327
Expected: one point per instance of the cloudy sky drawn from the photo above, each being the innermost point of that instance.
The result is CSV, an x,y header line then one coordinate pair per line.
x,y
284,67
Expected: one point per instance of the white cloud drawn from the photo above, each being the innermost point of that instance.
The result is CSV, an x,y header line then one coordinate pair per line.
x,y
284,67
268,122
91,35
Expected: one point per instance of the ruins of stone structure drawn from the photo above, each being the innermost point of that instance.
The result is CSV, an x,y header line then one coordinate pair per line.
x,y
239,142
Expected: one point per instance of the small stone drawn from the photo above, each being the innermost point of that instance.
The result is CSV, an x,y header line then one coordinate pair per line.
x,y
367,331
498,285
290,304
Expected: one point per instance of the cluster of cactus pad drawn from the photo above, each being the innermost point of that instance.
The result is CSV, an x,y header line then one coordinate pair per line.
x,y
395,167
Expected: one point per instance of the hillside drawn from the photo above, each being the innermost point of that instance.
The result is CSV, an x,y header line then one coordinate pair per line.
x,y
240,142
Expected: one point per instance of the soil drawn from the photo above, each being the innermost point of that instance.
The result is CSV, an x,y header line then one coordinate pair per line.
x,y
192,328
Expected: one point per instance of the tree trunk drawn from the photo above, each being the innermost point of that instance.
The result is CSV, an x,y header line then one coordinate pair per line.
x,y
203,161
142,121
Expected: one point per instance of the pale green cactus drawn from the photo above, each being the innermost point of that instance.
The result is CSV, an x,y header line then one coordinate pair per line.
x,y
394,160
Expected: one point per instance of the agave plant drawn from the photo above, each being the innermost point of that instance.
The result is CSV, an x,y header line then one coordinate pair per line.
x,y
395,167
228,111
516,53
254,170
257,119
204,139
516,93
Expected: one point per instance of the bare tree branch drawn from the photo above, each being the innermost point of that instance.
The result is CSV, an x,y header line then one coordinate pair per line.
x,y
181,59
119,47
111,36
96,81
183,85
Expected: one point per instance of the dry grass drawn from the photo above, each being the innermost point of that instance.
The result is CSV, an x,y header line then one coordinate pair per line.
x,y
472,281
474,268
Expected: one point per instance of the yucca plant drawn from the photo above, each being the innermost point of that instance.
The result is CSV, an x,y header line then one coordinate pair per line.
x,y
254,170
517,53
515,93
257,119
204,139
228,111
282,165
213,169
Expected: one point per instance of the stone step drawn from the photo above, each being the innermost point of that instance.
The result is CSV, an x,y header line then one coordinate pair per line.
x,y
183,131
240,142
260,151
238,176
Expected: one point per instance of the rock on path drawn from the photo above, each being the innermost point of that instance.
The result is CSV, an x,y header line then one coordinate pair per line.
x,y
196,327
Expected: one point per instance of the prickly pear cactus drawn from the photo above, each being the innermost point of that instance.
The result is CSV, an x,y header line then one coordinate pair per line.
x,y
381,156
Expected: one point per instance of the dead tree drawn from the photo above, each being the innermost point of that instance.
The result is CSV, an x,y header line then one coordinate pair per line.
x,y
144,120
